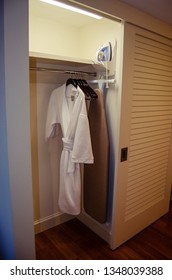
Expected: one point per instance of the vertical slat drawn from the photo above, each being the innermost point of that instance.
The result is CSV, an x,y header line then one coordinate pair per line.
x,y
152,93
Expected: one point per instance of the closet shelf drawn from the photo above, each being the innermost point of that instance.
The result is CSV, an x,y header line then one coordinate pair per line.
x,y
42,61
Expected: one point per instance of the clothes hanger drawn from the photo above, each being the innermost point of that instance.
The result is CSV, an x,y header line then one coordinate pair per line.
x,y
71,81
84,86
88,91
77,83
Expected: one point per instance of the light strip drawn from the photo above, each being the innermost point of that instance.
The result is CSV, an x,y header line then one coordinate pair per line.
x,y
71,8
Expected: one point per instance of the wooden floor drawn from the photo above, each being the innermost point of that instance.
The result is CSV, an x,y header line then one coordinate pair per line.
x,y
74,241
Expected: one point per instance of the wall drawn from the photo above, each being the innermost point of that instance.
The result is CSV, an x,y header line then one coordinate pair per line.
x,y
45,156
6,224
48,35
93,36
16,91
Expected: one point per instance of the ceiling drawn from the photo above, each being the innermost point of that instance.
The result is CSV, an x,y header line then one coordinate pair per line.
x,y
41,9
161,9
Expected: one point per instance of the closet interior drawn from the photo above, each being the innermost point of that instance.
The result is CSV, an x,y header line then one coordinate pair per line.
x,y
64,46
124,72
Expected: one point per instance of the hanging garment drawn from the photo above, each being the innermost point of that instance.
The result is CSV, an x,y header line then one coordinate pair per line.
x,y
96,175
67,108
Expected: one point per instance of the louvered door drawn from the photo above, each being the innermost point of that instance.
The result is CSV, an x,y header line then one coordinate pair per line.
x,y
143,181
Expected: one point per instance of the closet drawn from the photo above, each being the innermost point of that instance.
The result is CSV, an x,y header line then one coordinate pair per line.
x,y
64,46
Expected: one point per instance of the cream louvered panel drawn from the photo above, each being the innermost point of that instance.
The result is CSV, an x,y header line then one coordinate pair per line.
x,y
151,116
143,181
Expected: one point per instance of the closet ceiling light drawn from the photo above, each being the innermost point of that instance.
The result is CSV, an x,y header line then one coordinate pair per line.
x,y
68,7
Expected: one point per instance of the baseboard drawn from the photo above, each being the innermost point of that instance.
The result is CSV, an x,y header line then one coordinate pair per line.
x,y
51,221
58,218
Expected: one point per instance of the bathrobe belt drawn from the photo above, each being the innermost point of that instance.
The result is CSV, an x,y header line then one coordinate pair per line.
x,y
68,147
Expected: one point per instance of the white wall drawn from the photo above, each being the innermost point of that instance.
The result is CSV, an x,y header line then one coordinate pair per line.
x,y
6,223
47,154
93,36
47,35
18,126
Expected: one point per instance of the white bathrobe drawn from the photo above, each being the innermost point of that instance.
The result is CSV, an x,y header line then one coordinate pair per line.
x,y
67,108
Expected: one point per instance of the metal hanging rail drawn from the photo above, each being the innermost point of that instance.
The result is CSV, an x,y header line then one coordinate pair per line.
x,y
72,72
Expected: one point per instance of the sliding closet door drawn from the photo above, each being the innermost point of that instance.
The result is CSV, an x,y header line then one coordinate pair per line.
x,y
143,182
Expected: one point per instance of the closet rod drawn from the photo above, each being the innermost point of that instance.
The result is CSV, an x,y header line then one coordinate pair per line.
x,y
75,72
110,81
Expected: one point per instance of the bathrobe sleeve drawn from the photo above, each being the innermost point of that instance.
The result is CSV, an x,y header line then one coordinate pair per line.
x,y
52,122
82,148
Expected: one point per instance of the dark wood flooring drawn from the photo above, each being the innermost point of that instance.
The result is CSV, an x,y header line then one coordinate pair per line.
x,y
74,241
